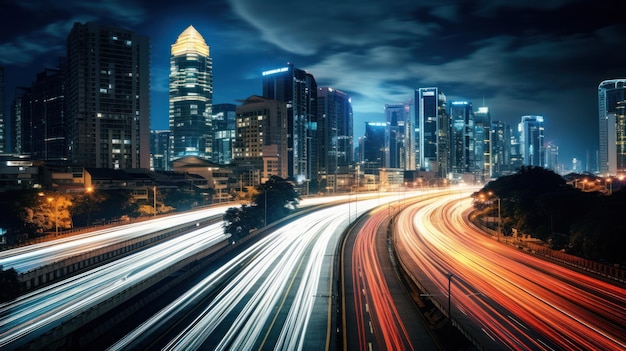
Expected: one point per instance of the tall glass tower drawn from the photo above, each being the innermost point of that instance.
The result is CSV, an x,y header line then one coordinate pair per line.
x,y
610,94
531,140
432,125
191,96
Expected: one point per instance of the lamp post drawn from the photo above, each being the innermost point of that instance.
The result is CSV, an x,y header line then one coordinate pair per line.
x,y
499,214
56,214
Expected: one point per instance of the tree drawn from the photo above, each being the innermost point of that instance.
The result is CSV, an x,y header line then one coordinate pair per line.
x,y
48,211
10,286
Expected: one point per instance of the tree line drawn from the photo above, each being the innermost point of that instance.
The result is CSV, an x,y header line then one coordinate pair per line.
x,y
539,202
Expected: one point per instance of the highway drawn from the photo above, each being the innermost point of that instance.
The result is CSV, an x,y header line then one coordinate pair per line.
x,y
38,312
504,297
378,311
278,295
29,257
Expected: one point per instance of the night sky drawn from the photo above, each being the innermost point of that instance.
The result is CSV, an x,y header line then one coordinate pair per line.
x,y
519,57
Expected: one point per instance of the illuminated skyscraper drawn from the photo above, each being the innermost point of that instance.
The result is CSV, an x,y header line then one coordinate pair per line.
x,y
107,95
531,141
298,90
224,127
500,148
610,93
373,147
400,137
482,143
462,138
431,121
334,135
191,96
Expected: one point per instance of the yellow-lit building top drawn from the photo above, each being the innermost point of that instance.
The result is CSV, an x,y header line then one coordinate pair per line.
x,y
190,42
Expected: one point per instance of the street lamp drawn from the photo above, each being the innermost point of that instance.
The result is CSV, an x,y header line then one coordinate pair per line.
x,y
56,214
499,214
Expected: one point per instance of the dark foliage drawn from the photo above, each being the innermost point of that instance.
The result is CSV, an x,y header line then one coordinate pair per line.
x,y
10,287
539,202
277,199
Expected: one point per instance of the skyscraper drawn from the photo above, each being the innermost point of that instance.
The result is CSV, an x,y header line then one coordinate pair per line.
x,y
482,143
48,117
191,96
334,134
610,93
160,150
531,140
462,138
500,148
373,147
400,137
298,90
107,97
431,120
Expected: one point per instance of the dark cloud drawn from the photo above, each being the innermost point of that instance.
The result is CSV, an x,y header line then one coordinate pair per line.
x,y
521,57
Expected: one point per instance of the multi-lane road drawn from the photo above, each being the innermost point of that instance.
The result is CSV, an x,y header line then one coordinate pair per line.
x,y
504,297
280,291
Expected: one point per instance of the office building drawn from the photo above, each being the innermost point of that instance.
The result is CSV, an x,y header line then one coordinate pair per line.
x,y
531,130
298,90
482,143
261,136
334,137
500,148
160,150
610,93
400,137
191,96
47,115
107,96
224,127
462,143
432,126
373,147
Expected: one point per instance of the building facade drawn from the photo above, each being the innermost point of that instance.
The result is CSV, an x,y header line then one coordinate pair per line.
x,y
610,93
298,90
334,137
160,150
482,143
261,137
400,137
462,139
3,126
224,127
432,128
531,130
191,96
108,97
500,148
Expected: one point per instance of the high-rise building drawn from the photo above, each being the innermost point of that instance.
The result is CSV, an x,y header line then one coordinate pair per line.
x,y
261,136
47,111
298,90
224,127
373,147
462,143
107,96
500,148
552,158
482,143
400,137
334,136
191,96
160,150
20,116
3,126
610,93
531,130
431,121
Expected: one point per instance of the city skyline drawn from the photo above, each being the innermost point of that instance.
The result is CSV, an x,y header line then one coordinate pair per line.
x,y
519,59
